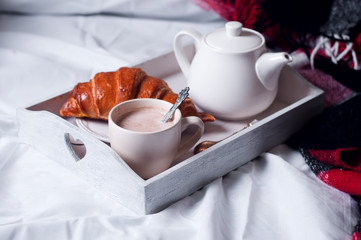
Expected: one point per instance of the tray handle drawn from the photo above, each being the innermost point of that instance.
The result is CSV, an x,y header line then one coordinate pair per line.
x,y
94,161
76,147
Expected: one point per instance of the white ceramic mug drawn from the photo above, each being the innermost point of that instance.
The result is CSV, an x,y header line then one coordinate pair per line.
x,y
150,153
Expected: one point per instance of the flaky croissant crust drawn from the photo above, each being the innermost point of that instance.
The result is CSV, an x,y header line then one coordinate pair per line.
x,y
95,99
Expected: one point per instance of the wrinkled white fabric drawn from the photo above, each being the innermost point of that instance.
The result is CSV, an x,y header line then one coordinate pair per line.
x,y
275,196
159,9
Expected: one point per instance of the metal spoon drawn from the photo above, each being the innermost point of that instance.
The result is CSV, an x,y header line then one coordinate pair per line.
x,y
207,144
181,97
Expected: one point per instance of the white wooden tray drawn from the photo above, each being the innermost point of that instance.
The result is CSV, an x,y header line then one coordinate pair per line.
x,y
41,127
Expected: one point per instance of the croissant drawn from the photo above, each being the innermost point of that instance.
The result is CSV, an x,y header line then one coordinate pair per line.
x,y
95,99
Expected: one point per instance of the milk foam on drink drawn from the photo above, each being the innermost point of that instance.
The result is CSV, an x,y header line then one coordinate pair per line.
x,y
145,119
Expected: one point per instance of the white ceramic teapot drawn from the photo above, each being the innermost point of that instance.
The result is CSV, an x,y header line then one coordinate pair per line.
x,y
231,76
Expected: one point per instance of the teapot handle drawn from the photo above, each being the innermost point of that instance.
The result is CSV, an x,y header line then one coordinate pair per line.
x,y
179,52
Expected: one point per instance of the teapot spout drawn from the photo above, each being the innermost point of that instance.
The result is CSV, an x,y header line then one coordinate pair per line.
x,y
268,68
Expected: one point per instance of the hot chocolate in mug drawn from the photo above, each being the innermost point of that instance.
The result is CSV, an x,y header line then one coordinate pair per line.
x,y
144,142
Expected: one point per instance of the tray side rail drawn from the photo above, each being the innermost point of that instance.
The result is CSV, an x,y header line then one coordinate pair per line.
x,y
100,166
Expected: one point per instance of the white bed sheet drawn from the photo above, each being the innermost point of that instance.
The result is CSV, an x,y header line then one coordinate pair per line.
x,y
275,196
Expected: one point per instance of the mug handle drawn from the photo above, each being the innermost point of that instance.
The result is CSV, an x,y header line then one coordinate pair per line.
x,y
189,140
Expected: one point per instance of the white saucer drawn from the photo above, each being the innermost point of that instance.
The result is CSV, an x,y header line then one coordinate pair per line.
x,y
97,128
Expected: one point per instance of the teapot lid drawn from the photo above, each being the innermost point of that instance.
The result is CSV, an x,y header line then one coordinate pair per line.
x,y
234,38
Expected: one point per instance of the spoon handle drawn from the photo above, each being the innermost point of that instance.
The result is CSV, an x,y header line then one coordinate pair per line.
x,y
181,97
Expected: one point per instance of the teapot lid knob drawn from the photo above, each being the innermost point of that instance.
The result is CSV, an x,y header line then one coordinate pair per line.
x,y
234,38
233,29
